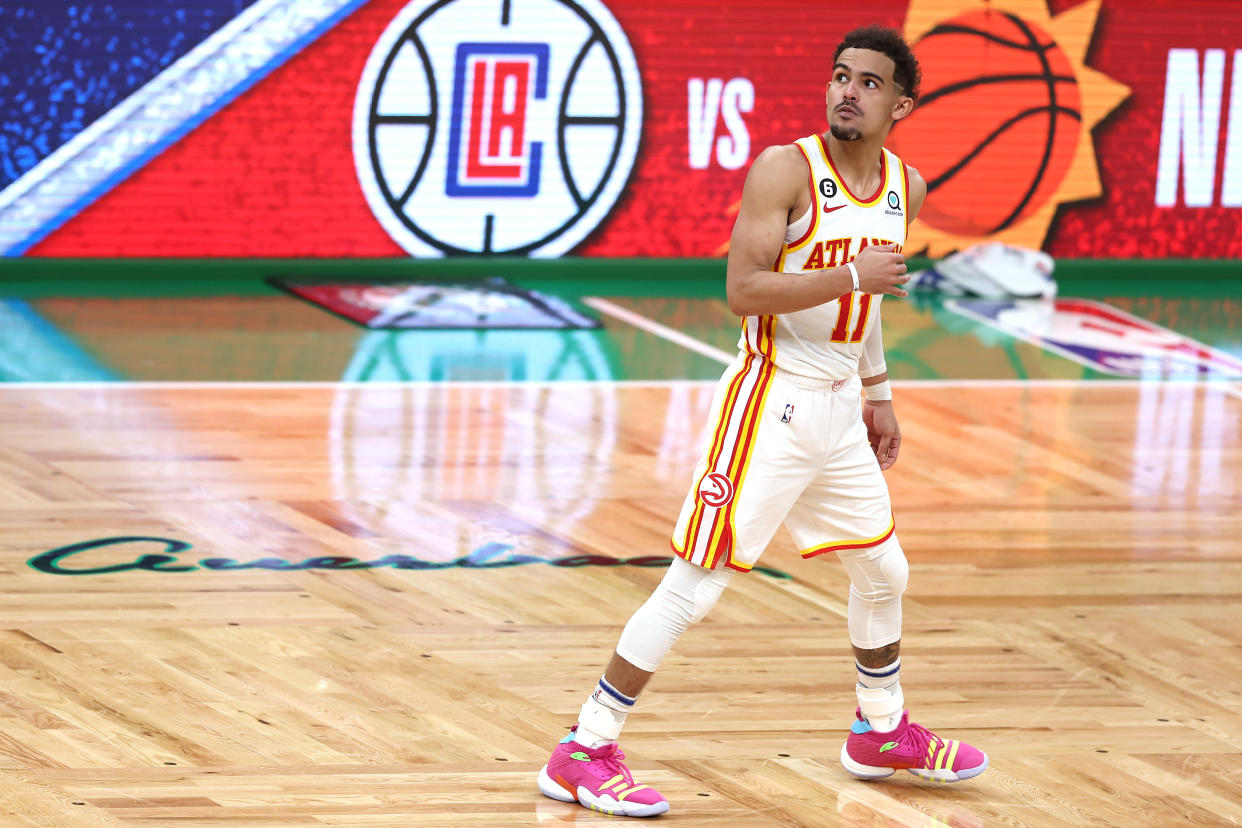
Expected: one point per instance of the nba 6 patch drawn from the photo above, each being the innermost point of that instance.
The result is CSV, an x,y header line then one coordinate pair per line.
x,y
506,128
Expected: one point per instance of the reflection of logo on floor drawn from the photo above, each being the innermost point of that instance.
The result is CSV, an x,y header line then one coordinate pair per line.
x,y
480,303
1100,336
716,490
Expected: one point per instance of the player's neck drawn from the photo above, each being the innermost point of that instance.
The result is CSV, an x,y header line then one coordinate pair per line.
x,y
858,162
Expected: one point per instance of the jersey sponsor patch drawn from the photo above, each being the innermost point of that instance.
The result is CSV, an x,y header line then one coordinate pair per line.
x,y
894,205
1101,337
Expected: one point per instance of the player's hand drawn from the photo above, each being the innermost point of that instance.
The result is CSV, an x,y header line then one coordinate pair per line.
x,y
882,431
881,269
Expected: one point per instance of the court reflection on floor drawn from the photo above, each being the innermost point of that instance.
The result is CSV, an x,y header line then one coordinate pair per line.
x,y
448,469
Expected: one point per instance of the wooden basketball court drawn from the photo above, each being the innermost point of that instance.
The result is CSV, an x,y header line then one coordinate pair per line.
x,y
350,604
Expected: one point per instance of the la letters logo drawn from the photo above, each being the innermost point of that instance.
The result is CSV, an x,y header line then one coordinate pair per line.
x,y
488,152
511,132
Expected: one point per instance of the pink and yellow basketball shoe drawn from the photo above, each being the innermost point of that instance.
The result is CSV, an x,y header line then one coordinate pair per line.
x,y
597,778
871,755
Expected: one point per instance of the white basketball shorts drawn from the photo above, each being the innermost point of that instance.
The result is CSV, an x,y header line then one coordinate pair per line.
x,y
781,447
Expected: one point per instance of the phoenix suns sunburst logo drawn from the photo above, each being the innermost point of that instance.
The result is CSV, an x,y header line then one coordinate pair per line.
x,y
1002,132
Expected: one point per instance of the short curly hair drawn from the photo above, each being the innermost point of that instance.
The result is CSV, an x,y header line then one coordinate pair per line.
x,y
906,72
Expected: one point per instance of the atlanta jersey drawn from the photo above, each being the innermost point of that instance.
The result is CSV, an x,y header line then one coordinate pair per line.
x,y
826,341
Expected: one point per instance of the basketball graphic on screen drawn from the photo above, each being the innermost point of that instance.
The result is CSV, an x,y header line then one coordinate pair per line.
x,y
998,123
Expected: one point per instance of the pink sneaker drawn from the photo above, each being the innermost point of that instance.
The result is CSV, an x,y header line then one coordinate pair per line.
x,y
871,755
597,779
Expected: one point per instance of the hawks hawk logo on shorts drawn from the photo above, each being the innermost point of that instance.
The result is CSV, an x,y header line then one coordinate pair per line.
x,y
506,128
716,490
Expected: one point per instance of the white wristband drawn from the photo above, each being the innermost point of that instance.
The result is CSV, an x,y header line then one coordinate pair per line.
x,y
879,391
854,273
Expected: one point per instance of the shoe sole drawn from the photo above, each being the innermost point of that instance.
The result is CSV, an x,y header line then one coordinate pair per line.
x,y
552,790
950,776
586,799
878,772
863,771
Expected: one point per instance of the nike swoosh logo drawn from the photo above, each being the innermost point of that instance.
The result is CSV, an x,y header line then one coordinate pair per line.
x,y
828,209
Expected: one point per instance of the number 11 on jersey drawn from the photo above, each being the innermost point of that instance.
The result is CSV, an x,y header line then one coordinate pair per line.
x,y
841,332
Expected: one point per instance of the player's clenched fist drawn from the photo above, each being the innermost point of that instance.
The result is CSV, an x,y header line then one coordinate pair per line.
x,y
881,269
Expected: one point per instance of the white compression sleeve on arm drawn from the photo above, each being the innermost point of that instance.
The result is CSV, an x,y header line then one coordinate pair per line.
x,y
871,360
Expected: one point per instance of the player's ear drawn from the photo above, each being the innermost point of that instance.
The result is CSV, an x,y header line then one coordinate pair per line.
x,y
903,107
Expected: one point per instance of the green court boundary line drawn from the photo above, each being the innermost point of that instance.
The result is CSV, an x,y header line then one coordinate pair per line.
x,y
689,277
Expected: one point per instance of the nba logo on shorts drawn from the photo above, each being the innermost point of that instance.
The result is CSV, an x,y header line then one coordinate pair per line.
x,y
505,127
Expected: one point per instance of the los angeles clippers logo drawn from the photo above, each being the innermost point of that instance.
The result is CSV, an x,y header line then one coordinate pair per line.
x,y
490,152
497,128
716,490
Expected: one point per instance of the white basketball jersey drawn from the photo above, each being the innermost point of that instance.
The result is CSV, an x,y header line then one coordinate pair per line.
x,y
825,341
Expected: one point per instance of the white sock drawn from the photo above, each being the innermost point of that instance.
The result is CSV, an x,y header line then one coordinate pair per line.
x,y
603,715
880,697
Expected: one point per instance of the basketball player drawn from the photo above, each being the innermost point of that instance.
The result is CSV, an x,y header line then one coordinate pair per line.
x,y
815,248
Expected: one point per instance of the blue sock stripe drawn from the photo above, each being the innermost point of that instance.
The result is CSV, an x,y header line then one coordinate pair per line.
x,y
616,694
883,672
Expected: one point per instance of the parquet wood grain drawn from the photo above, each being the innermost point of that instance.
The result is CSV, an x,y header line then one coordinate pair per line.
x,y
1073,608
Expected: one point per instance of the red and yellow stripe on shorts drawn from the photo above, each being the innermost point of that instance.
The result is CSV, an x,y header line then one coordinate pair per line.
x,y
841,546
710,533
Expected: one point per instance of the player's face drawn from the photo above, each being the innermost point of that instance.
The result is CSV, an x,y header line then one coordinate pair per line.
x,y
862,97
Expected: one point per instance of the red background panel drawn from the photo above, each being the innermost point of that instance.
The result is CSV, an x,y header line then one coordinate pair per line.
x,y
1131,45
272,174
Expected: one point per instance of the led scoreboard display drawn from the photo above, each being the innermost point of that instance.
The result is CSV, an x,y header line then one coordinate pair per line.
x,y
619,128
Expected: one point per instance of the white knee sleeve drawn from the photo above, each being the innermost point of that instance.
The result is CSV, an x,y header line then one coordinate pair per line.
x,y
683,597
878,577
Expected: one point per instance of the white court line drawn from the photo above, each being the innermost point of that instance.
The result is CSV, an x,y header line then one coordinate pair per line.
x,y
662,331
329,385
698,346
643,323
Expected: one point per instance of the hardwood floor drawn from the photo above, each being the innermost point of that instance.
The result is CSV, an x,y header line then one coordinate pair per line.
x,y
193,638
